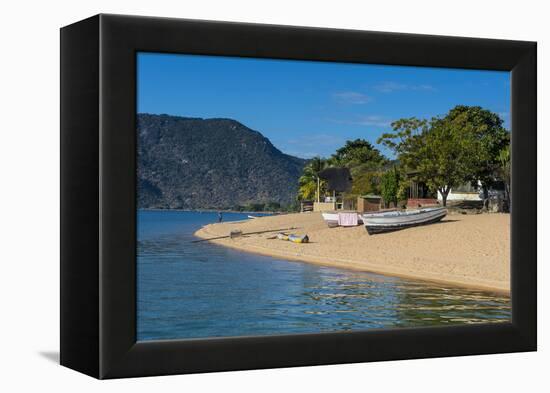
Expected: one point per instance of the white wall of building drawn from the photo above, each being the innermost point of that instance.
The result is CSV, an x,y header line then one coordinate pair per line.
x,y
460,196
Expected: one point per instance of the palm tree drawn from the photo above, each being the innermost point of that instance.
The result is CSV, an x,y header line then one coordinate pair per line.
x,y
311,186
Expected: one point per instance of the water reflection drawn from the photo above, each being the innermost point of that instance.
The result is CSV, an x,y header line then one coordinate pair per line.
x,y
188,290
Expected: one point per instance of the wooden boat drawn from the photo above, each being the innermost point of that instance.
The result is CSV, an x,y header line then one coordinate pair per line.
x,y
331,218
396,220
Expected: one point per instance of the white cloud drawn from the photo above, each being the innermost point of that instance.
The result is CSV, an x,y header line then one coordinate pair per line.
x,y
316,140
370,120
352,97
303,154
390,87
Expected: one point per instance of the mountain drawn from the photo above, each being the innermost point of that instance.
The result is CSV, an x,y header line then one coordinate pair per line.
x,y
194,163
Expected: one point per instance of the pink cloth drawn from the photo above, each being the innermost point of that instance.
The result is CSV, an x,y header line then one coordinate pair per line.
x,y
348,219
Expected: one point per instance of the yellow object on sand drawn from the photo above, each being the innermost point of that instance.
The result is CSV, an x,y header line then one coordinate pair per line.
x,y
293,238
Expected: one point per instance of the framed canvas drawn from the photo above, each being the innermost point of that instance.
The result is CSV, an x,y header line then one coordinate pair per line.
x,y
217,179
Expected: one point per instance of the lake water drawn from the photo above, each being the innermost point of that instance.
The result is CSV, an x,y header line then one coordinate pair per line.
x,y
192,290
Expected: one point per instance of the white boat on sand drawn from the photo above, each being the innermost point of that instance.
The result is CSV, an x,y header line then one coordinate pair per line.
x,y
396,220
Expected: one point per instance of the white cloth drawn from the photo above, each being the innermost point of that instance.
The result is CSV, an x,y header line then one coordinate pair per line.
x,y
348,219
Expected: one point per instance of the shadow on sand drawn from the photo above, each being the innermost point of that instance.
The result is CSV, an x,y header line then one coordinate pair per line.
x,y
445,221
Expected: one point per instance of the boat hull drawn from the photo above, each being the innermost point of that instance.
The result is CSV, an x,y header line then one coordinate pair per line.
x,y
390,222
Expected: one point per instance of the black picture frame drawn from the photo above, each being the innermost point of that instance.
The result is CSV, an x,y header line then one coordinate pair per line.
x,y
98,195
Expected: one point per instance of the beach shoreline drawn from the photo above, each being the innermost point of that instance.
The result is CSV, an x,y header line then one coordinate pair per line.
x,y
471,251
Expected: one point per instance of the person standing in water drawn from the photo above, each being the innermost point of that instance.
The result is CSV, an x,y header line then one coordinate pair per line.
x,y
220,217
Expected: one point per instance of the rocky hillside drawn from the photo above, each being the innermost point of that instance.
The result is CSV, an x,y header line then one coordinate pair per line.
x,y
193,163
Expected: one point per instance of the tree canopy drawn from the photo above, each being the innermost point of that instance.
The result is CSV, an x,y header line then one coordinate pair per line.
x,y
486,129
467,145
358,152
365,162
445,152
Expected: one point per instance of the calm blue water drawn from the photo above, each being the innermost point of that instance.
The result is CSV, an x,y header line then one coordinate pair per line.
x,y
191,290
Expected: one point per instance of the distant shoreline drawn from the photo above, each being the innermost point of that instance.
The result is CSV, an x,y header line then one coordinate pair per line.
x,y
471,251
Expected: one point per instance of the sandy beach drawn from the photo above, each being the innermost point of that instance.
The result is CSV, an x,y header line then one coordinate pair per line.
x,y
463,250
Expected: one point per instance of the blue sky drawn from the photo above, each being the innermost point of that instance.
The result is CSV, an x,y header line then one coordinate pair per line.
x,y
311,108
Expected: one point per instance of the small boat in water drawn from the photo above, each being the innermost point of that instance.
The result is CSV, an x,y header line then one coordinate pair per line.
x,y
252,217
334,219
396,220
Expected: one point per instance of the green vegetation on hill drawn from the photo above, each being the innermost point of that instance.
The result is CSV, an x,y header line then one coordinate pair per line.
x,y
193,163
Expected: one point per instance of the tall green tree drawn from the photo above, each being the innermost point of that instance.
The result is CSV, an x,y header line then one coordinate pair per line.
x,y
504,170
366,181
389,186
310,186
436,151
489,137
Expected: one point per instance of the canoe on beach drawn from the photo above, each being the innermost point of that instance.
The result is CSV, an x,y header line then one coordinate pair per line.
x,y
396,220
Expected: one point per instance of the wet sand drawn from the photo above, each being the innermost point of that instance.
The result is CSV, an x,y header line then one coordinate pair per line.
x,y
462,250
